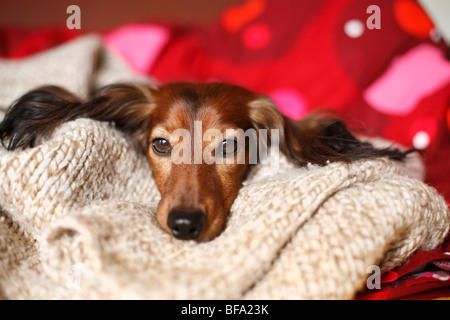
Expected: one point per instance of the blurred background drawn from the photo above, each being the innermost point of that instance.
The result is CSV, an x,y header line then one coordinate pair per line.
x,y
104,15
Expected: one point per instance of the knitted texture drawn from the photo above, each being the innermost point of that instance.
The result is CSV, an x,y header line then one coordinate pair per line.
x,y
77,220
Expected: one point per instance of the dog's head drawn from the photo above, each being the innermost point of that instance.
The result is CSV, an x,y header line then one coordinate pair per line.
x,y
202,139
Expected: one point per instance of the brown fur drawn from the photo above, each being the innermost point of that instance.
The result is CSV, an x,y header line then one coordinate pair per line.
x,y
148,113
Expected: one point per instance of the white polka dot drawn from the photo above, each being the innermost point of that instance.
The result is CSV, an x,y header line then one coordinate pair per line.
x,y
354,28
440,277
421,140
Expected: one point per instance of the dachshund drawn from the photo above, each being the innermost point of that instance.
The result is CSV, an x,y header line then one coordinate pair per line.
x,y
195,197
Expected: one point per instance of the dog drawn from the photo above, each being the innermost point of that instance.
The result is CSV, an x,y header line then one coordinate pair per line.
x,y
195,197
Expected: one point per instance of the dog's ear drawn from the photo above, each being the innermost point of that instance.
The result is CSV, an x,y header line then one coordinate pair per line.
x,y
128,106
36,114
315,139
264,115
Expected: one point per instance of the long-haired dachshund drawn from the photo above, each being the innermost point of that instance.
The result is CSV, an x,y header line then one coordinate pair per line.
x,y
195,197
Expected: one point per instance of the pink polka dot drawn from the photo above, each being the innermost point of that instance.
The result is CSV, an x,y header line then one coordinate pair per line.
x,y
416,74
139,44
290,102
256,36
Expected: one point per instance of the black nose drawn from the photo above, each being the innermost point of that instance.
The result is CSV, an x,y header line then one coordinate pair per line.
x,y
186,224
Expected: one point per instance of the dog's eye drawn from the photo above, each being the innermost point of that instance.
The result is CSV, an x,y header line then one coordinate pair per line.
x,y
161,146
227,148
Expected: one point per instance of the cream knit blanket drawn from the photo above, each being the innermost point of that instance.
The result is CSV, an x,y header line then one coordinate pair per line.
x,y
77,213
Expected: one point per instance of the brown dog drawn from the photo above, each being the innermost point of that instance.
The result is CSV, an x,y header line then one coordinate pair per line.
x,y
196,192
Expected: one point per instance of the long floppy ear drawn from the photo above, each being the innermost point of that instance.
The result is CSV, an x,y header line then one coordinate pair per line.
x,y
36,114
315,139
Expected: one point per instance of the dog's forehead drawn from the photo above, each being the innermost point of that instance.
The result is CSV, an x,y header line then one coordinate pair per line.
x,y
216,106
221,114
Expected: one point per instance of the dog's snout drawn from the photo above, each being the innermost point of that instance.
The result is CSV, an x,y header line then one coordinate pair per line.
x,y
186,224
